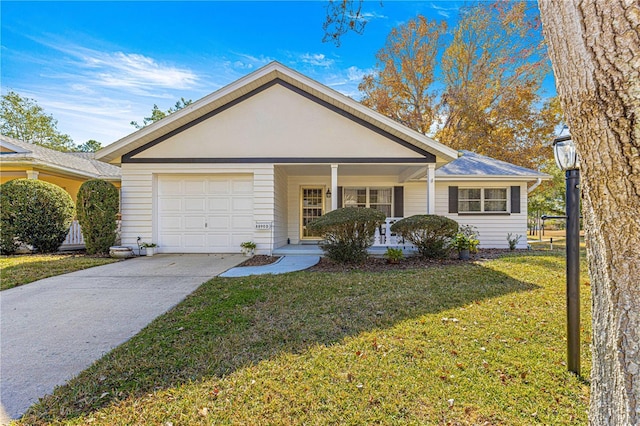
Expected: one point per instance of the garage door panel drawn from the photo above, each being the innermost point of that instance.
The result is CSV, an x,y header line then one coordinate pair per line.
x,y
220,187
194,205
242,204
172,223
170,204
219,241
242,187
195,223
171,240
195,187
204,214
170,187
219,223
194,240
219,204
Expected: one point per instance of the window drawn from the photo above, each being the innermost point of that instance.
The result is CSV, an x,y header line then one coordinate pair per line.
x,y
375,198
480,200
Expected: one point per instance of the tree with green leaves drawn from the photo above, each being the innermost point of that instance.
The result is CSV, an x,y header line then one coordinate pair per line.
x,y
97,207
91,145
23,119
157,114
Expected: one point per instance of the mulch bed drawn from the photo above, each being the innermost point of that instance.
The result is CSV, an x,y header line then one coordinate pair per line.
x,y
259,260
375,264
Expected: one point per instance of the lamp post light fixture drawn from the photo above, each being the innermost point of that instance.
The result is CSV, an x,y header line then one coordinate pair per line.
x,y
566,157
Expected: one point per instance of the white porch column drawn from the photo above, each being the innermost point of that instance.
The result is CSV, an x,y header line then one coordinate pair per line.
x,y
32,174
431,188
334,187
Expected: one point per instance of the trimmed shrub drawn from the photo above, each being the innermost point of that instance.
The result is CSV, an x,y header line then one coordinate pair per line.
x,y
348,232
431,234
97,208
36,213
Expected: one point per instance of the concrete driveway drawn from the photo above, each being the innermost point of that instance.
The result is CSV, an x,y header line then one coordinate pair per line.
x,y
54,328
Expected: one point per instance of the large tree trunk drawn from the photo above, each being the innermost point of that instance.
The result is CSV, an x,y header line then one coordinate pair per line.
x,y
594,46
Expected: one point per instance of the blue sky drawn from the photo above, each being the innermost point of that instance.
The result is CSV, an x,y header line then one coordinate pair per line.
x,y
95,66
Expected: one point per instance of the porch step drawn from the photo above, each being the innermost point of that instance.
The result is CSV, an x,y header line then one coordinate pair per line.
x,y
315,250
298,250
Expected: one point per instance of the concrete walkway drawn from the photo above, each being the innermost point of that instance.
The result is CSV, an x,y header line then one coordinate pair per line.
x,y
281,266
54,328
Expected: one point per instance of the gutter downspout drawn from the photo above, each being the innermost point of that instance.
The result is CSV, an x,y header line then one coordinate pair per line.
x,y
534,186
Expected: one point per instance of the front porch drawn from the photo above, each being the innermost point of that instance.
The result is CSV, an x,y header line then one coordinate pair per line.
x,y
383,239
304,192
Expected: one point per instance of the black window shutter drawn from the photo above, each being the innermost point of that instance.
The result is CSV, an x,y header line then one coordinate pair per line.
x,y
398,201
339,195
453,199
515,199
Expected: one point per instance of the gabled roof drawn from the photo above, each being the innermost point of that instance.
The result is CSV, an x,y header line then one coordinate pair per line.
x,y
74,163
274,71
471,166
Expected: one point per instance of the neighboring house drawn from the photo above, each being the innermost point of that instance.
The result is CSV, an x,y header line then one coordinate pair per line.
x,y
262,157
19,159
68,170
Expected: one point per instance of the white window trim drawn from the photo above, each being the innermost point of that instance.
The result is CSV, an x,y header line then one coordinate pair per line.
x,y
483,199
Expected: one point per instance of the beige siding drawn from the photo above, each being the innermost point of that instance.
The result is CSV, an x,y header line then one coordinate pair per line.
x,y
278,123
493,229
139,195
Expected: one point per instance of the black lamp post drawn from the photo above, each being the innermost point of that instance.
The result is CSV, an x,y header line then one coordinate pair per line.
x,y
567,159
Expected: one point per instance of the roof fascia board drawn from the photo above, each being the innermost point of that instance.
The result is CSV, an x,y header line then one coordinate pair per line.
x,y
279,160
491,178
15,148
34,163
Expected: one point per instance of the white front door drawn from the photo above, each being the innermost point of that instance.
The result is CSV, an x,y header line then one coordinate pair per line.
x,y
204,214
311,207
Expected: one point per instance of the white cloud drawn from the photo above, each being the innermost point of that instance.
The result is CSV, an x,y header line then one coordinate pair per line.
x,y
346,81
250,62
121,69
116,69
316,59
373,15
444,11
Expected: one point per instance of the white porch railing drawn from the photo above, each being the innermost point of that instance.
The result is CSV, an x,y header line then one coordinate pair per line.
x,y
76,240
384,237
74,237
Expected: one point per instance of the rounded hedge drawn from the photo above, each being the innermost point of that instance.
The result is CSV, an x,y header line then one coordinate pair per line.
x,y
431,234
34,212
97,207
348,232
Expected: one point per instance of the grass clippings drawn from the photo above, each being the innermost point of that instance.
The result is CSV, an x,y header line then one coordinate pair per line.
x,y
473,343
26,268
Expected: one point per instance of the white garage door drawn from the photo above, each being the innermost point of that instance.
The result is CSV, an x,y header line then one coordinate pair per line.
x,y
204,214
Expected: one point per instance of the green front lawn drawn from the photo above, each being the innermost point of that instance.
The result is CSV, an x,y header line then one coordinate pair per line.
x,y
23,269
461,345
